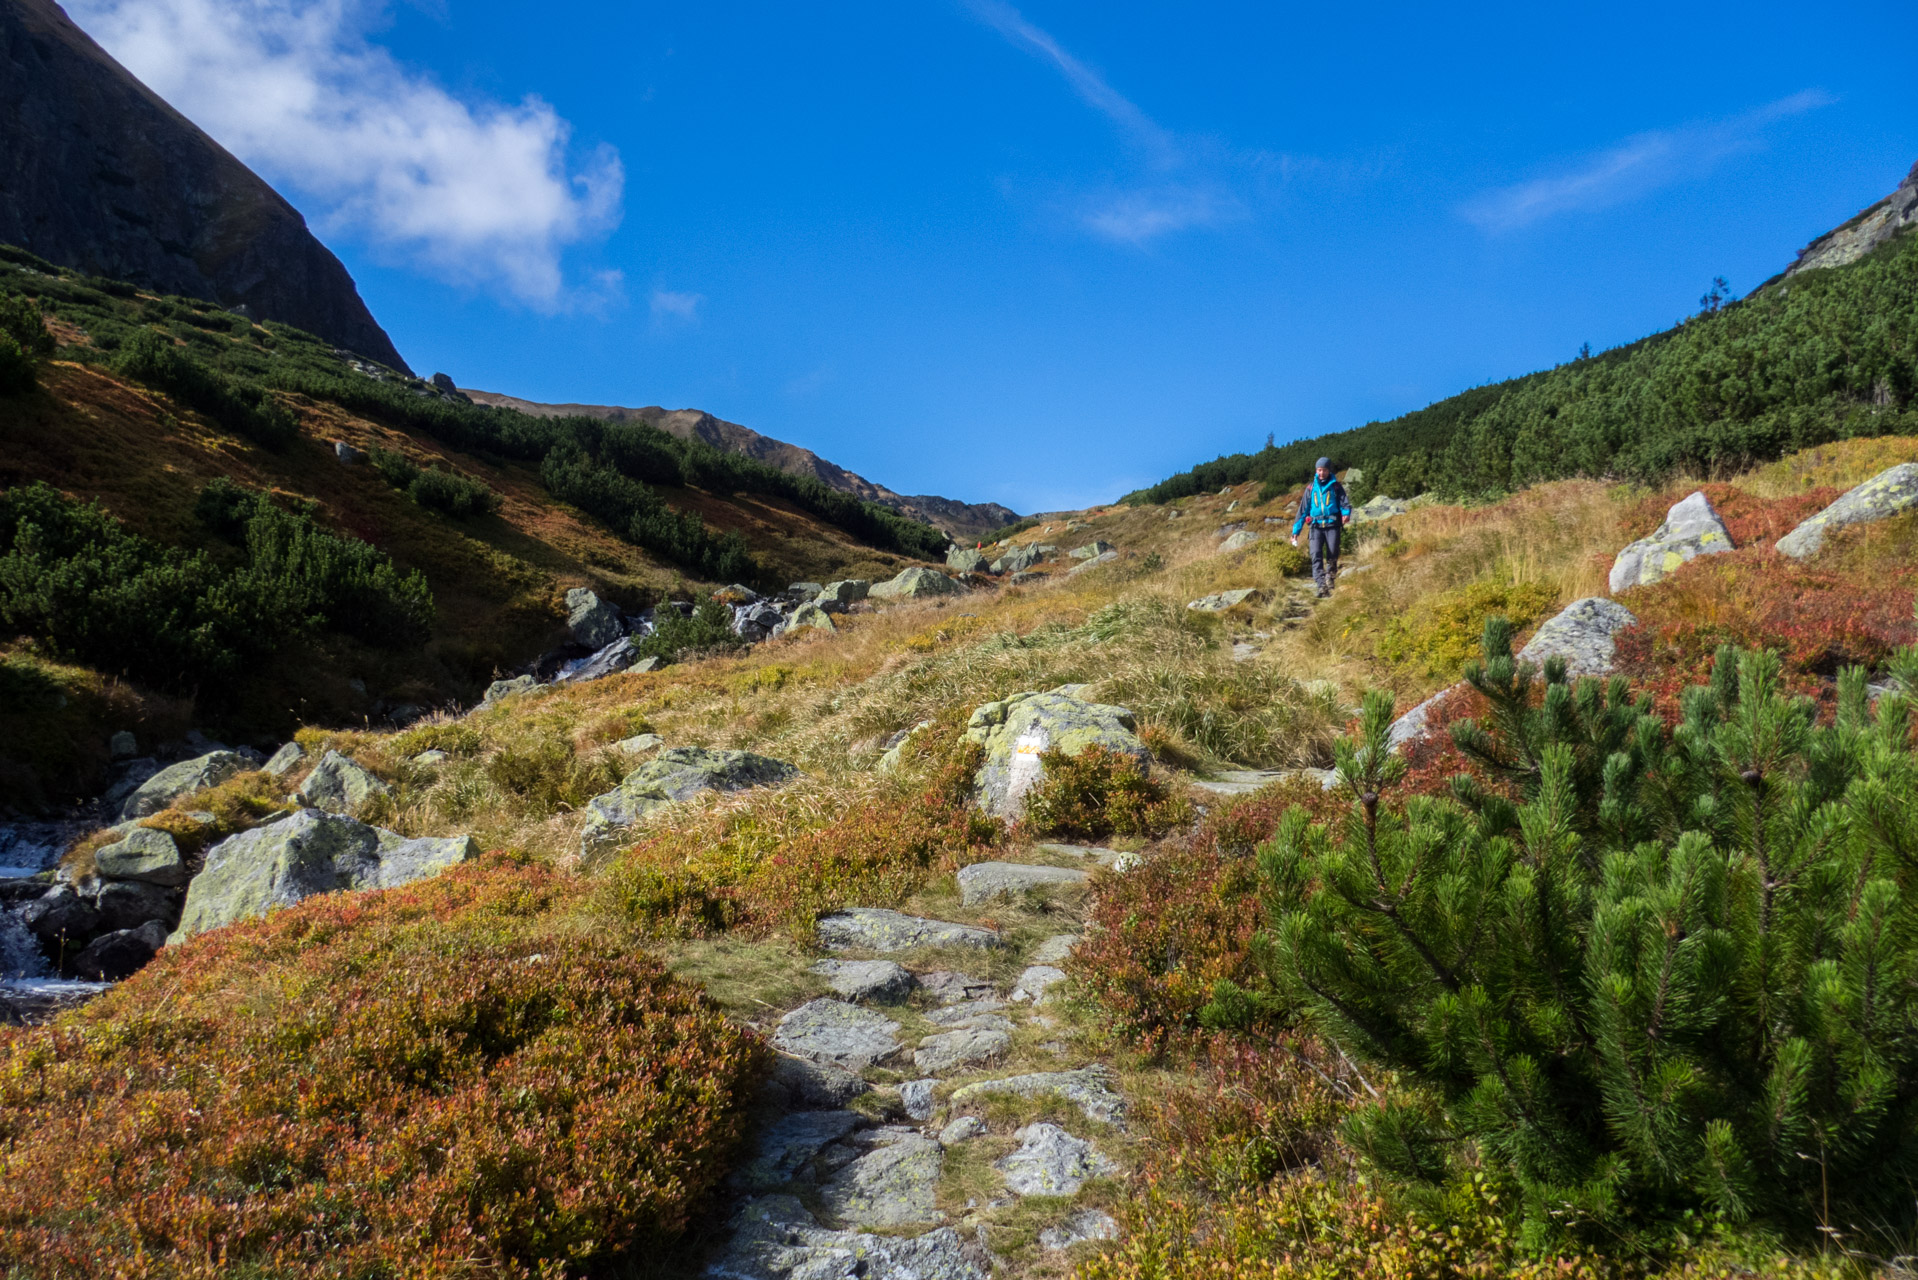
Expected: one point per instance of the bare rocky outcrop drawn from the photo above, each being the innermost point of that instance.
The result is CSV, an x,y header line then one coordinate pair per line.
x,y
101,175
1879,498
1865,232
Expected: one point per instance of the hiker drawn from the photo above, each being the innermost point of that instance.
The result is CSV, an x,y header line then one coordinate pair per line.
x,y
1324,506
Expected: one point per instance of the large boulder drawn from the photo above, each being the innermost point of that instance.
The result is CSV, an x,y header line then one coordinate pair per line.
x,y
143,854
1018,730
500,690
965,560
1103,558
983,881
128,904
310,852
676,774
1882,496
915,584
340,784
1239,542
283,761
810,614
1691,529
610,660
119,954
883,930
1583,634
1378,508
593,622
183,779
844,592
1091,549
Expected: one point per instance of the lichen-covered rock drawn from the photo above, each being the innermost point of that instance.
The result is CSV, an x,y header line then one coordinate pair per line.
x,y
1020,557
1056,949
915,584
878,929
310,852
837,1033
1377,508
915,1097
676,774
182,779
1103,558
1088,1088
282,762
892,1185
1691,529
1239,542
1035,982
966,1046
965,560
1882,496
1086,1224
142,854
775,1237
1091,549
782,1148
1051,1162
593,622
844,592
1416,723
340,784
983,881
1018,730
501,689
810,615
610,660
1224,600
882,980
639,744
1583,634
800,1084
946,987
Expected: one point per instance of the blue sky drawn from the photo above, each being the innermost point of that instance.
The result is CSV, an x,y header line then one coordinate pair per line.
x,y
1038,254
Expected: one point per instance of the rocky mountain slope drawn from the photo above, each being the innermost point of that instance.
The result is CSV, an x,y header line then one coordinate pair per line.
x,y
99,174
965,521
1871,228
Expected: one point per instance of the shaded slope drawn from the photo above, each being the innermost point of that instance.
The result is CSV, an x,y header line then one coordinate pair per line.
x,y
98,173
962,520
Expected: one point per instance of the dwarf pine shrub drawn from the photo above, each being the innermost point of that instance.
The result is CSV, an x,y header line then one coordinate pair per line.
x,y
1644,971
435,488
709,627
24,343
241,407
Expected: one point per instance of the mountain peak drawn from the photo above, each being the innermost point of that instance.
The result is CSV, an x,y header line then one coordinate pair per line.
x,y
1865,232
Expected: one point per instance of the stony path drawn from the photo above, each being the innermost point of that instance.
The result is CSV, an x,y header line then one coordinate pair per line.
x,y
909,1119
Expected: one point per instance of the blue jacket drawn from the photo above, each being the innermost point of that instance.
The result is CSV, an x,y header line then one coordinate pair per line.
x,y
1324,506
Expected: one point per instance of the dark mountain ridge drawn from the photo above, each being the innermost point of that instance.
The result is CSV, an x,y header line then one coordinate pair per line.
x,y
99,174
961,520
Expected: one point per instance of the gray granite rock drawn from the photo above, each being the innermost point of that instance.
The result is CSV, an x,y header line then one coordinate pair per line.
x,y
880,980
1079,1227
282,762
836,1032
775,1238
143,854
1090,550
799,1084
1016,731
965,560
810,615
1224,600
503,689
1103,558
845,592
614,658
1035,982
968,1013
180,780
122,745
877,929
1056,949
950,988
984,881
340,784
1051,1162
1088,1088
965,1047
963,1129
674,775
1239,542
915,584
894,1184
1416,723
431,758
1583,634
1884,495
592,621
782,1149
1691,529
916,1097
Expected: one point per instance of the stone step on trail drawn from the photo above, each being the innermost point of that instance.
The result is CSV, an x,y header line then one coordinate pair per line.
x,y
1035,982
949,988
783,1148
1051,1162
881,930
892,1180
984,881
775,1237
884,981
1087,1088
838,1033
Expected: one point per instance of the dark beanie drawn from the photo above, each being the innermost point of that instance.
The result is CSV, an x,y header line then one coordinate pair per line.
x,y
1323,464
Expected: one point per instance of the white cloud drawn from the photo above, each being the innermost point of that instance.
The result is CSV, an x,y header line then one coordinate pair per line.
x,y
476,192
675,308
1635,167
1138,217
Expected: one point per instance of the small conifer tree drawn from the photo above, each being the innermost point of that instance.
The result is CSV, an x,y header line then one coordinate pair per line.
x,y
1640,971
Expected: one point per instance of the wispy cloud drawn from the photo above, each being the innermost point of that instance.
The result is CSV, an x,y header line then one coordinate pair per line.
x,y
1635,167
473,191
1184,184
670,309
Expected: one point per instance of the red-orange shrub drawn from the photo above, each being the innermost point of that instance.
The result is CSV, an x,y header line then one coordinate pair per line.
x,y
1751,520
415,1083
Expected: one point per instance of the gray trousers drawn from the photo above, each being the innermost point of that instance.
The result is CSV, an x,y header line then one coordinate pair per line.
x,y
1325,554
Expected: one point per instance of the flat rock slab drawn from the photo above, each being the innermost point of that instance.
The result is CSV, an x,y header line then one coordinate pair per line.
x,y
882,980
1691,529
1582,634
877,929
1088,1088
674,775
966,1013
1223,600
947,987
984,881
964,1129
1035,982
892,1185
837,1033
1051,1162
1242,782
800,1084
782,1149
966,1047
182,779
1882,496
1086,1224
1056,949
774,1238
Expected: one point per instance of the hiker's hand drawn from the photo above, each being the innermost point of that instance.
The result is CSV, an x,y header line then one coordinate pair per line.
x,y
1295,539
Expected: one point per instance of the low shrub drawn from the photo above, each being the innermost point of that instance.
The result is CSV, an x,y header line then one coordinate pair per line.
x,y
1444,634
435,488
247,410
1282,559
675,635
547,776
1100,793
24,343
416,1082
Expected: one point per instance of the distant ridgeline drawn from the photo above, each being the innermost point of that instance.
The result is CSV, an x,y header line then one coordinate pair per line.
x,y
607,469
1817,356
